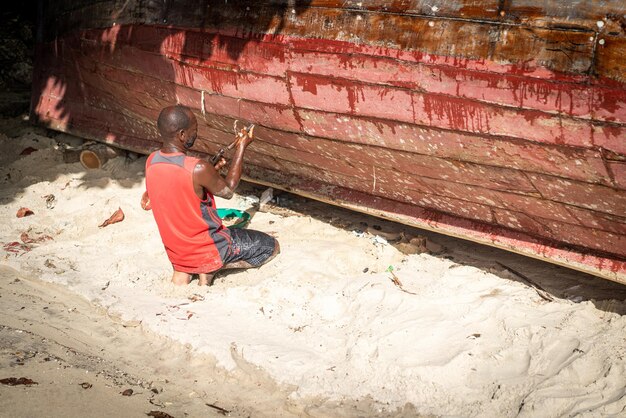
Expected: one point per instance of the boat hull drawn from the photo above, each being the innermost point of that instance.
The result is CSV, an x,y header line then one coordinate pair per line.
x,y
503,124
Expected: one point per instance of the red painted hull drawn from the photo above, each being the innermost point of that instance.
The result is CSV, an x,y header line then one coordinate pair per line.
x,y
524,151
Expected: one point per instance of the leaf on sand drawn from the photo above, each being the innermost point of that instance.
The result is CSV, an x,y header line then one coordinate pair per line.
x,y
28,151
118,216
159,414
30,240
127,392
14,381
15,247
22,212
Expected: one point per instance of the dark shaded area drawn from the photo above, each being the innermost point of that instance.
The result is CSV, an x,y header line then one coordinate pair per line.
x,y
40,43
60,48
558,282
16,56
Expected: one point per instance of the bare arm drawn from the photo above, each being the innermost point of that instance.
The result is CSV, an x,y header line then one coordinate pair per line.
x,y
207,177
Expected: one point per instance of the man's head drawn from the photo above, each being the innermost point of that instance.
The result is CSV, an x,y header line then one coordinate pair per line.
x,y
178,126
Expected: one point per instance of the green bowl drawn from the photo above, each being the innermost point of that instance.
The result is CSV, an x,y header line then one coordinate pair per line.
x,y
243,216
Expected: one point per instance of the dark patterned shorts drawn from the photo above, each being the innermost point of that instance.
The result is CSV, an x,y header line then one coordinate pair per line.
x,y
249,245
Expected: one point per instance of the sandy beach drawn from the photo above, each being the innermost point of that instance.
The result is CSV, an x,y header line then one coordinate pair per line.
x,y
356,317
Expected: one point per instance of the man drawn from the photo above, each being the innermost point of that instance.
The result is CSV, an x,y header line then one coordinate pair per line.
x,y
180,191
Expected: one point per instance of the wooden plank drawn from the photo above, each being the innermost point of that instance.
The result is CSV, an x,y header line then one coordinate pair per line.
x,y
571,14
402,32
208,50
571,99
464,9
596,220
618,168
610,54
585,195
602,241
441,111
566,161
610,137
530,48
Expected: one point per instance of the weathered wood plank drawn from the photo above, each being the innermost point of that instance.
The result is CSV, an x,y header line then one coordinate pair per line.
x,y
560,50
571,14
591,196
610,137
274,59
610,54
441,111
618,168
571,99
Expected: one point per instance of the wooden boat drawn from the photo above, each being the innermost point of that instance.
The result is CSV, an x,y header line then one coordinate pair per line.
x,y
498,121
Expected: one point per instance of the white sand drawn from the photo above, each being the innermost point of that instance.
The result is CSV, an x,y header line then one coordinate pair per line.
x,y
467,338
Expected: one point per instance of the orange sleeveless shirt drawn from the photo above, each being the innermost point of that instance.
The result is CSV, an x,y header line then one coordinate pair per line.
x,y
193,235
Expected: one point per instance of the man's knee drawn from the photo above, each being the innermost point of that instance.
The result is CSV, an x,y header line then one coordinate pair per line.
x,y
276,249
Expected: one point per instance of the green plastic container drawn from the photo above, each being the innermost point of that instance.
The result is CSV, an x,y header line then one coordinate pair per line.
x,y
243,216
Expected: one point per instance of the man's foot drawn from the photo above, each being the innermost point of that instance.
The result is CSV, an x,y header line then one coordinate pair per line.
x,y
205,279
179,278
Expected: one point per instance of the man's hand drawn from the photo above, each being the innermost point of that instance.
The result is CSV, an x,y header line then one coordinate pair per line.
x,y
145,201
245,137
221,163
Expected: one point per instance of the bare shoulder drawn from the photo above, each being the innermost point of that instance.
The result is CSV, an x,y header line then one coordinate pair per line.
x,y
204,167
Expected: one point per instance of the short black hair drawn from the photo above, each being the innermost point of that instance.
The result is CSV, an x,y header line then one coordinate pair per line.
x,y
172,119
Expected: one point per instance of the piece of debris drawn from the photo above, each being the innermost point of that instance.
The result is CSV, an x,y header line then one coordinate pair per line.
x,y
434,248
266,197
219,410
196,297
118,216
71,156
22,212
94,156
50,200
26,239
377,230
28,151
540,290
127,392
159,414
415,245
396,281
86,385
14,381
15,247
378,240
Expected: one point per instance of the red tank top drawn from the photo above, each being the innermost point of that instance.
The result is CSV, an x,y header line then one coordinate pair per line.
x,y
195,239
